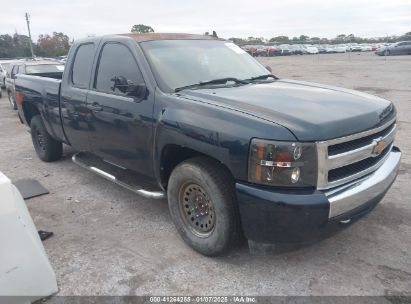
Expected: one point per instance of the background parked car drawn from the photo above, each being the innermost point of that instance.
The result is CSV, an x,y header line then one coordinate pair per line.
x,y
375,47
330,48
9,82
2,76
311,49
260,50
51,69
322,49
399,48
356,48
273,50
4,65
9,67
250,49
285,50
63,59
342,48
366,48
297,49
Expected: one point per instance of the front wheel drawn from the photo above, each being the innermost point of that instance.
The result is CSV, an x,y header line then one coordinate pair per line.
x,y
203,206
47,148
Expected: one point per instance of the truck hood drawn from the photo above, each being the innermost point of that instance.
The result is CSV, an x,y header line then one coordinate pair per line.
x,y
311,111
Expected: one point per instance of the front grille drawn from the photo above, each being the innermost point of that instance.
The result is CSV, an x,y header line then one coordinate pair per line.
x,y
345,171
357,143
345,159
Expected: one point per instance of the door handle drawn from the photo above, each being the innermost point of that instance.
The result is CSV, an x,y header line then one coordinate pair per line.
x,y
96,107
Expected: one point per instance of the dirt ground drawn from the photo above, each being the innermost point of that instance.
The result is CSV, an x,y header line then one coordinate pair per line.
x,y
108,241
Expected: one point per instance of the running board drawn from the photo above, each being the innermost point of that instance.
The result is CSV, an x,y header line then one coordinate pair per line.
x,y
123,177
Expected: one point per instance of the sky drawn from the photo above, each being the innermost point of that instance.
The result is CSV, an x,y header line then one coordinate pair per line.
x,y
229,18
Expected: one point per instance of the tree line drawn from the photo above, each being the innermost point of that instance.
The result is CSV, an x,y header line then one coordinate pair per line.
x,y
302,39
16,45
54,45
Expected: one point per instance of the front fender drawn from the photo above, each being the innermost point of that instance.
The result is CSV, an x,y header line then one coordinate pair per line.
x,y
220,133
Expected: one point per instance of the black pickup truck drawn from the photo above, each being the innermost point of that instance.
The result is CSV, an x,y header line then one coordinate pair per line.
x,y
237,151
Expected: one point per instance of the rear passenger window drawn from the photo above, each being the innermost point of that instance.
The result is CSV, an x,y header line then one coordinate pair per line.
x,y
83,62
117,69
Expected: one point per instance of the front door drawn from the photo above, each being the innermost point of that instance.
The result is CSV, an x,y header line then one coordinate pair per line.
x,y
121,110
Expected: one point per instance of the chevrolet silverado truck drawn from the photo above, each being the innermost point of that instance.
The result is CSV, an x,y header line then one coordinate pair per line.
x,y
237,151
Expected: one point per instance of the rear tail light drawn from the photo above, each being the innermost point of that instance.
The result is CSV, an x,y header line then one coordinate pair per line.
x,y
19,99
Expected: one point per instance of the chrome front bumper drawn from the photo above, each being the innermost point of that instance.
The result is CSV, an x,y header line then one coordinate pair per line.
x,y
354,194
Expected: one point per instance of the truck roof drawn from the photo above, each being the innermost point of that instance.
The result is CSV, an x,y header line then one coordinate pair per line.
x,y
150,37
168,36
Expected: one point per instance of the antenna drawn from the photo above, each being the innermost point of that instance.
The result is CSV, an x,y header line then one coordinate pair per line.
x,y
28,27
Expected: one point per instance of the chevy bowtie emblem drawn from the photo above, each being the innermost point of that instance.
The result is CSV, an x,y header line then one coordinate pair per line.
x,y
378,148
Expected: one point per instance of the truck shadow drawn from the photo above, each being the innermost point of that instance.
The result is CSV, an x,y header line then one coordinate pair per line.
x,y
157,211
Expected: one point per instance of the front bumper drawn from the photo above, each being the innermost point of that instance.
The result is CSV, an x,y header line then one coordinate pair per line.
x,y
289,216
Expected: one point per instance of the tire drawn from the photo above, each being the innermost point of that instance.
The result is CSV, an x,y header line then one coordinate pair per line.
x,y
203,206
12,101
47,148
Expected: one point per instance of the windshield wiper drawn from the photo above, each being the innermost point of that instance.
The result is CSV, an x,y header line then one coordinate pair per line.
x,y
214,81
261,77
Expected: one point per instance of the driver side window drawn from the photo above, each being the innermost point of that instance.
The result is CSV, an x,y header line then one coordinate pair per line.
x,y
117,70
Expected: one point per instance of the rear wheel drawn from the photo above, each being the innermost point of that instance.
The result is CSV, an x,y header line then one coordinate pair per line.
x,y
203,207
47,148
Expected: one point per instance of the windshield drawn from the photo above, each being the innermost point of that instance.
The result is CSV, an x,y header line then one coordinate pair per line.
x,y
179,63
44,68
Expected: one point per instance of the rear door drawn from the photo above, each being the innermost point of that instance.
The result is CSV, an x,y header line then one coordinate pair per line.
x,y
121,118
74,112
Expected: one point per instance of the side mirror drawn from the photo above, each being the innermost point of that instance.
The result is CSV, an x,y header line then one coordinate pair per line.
x,y
268,68
120,83
138,91
127,87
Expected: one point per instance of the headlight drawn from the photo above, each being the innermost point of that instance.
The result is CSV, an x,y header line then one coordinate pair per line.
x,y
284,164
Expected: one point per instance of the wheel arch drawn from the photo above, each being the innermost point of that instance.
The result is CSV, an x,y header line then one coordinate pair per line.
x,y
29,111
173,154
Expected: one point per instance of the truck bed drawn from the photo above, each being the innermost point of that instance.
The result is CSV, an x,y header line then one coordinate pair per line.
x,y
44,94
55,75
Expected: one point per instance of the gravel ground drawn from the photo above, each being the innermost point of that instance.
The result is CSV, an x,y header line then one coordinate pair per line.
x,y
110,242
